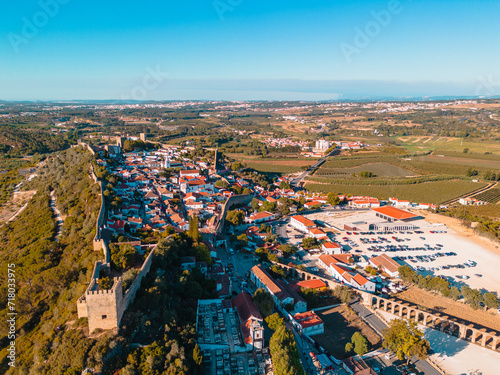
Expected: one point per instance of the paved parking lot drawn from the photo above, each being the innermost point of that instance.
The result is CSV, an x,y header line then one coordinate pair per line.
x,y
437,250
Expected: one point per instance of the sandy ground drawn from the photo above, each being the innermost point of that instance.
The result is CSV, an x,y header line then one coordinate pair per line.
x,y
455,356
460,230
15,207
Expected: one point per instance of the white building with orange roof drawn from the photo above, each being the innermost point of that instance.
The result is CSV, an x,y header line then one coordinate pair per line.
x,y
309,323
260,217
330,248
318,233
301,223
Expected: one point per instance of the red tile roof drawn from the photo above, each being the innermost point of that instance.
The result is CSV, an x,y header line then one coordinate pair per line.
x,y
386,262
312,284
301,219
246,307
260,215
395,213
308,319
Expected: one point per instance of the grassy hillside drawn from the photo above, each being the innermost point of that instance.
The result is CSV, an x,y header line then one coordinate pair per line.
x,y
50,276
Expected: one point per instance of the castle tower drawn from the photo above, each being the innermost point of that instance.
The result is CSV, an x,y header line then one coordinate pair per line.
x,y
142,137
120,141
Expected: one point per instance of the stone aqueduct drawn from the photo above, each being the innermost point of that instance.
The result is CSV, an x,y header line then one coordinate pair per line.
x,y
441,322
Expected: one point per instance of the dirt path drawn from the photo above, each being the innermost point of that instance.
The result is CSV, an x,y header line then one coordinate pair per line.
x,y
12,210
57,214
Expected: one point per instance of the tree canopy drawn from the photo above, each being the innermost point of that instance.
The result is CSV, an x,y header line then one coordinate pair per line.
x,y
405,340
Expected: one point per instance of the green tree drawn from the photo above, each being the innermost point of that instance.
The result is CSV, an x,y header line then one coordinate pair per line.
x,y
471,172
285,185
198,358
202,253
288,249
105,283
284,353
365,174
264,302
221,184
360,343
277,271
349,347
265,228
333,199
236,166
194,229
255,204
285,205
343,293
235,217
491,300
310,243
268,206
262,254
405,340
274,321
311,296
472,296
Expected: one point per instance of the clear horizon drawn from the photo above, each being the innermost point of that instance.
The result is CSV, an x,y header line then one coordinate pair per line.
x,y
212,50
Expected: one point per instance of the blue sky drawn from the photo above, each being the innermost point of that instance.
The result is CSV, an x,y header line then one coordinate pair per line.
x,y
254,49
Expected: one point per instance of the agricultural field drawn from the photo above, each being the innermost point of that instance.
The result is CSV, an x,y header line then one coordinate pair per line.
x,y
278,166
447,144
461,161
428,192
468,155
378,169
413,165
490,196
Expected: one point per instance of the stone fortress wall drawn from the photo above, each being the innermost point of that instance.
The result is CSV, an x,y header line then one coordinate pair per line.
x,y
104,309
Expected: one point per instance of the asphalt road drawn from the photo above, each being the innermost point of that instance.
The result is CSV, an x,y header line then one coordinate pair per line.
x,y
297,180
374,321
